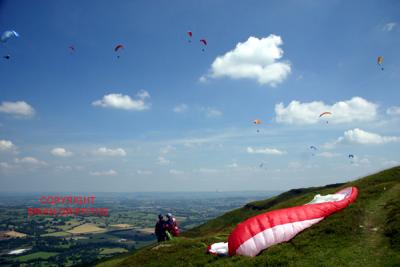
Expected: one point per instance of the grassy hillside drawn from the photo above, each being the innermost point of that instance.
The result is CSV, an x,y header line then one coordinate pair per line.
x,y
367,233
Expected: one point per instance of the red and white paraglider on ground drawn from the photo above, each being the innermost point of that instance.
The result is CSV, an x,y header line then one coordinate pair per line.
x,y
257,233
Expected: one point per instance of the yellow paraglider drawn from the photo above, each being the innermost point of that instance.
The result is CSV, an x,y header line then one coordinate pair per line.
x,y
380,61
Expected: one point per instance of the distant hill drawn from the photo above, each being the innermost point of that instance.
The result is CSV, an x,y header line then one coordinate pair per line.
x,y
367,233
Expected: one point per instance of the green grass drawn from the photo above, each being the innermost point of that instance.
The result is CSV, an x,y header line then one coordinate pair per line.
x,y
105,251
58,234
367,233
37,255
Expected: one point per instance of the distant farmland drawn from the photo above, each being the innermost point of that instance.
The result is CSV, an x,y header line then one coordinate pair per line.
x,y
86,228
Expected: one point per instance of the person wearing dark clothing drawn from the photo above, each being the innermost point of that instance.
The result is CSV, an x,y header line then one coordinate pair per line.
x,y
160,229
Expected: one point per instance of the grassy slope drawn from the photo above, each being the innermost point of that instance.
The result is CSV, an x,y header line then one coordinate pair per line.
x,y
367,233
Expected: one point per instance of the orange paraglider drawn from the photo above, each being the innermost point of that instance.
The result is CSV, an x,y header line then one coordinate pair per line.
x,y
257,122
325,114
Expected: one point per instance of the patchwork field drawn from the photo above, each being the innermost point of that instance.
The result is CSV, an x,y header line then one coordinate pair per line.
x,y
14,234
86,228
37,255
121,225
105,251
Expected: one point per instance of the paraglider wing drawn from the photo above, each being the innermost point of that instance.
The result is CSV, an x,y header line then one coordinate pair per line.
x,y
325,113
7,56
118,47
71,48
7,35
257,233
380,60
204,42
190,34
314,149
219,249
257,122
351,156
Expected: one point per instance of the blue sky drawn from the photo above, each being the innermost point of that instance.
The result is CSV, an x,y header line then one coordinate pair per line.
x,y
167,116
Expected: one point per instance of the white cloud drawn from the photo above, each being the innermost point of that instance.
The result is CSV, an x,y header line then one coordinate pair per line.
x,y
269,151
143,94
165,150
5,166
31,161
295,165
69,168
389,26
7,146
327,154
358,136
163,161
125,102
25,163
203,79
207,171
357,161
391,163
393,111
180,108
18,109
256,59
363,161
61,152
211,112
104,173
103,151
355,109
176,172
215,139
144,172
232,165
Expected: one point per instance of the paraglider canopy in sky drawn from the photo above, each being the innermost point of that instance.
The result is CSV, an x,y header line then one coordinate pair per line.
x,y
380,61
190,35
118,48
204,43
8,35
257,122
313,148
351,158
71,49
325,113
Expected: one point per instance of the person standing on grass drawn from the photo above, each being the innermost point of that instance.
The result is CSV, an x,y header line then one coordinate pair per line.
x,y
172,226
160,229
